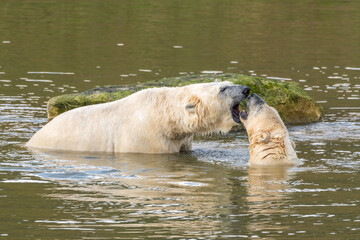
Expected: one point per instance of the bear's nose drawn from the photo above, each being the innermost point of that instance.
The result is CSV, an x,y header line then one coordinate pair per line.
x,y
246,91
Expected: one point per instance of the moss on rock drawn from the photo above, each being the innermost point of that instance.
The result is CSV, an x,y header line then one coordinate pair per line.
x,y
293,103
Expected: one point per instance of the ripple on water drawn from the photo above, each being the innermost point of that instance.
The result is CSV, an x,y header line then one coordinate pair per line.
x,y
53,73
326,131
25,181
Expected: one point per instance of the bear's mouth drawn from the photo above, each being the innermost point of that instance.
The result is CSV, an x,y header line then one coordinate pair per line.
x,y
235,113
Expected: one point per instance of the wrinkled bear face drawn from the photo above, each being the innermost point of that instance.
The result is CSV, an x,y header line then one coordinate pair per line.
x,y
214,106
269,138
261,119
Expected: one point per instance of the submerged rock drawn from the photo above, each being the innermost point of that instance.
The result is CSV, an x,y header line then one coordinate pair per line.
x,y
294,105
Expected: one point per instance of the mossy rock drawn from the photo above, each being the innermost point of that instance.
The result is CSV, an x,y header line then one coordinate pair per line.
x,y
294,105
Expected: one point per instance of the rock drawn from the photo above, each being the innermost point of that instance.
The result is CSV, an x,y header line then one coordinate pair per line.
x,y
294,105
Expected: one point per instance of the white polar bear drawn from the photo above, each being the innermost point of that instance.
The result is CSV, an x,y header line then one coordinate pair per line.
x,y
156,120
270,142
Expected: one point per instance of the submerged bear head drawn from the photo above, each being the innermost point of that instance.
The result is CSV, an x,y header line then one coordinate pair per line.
x,y
212,107
270,143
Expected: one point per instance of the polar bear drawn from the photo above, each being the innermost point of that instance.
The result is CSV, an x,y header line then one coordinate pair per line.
x,y
156,120
270,143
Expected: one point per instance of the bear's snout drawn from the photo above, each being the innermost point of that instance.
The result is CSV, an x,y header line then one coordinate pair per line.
x,y
246,91
255,102
236,91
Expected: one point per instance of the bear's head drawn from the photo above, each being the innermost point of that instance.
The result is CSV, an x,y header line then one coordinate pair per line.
x,y
212,107
270,143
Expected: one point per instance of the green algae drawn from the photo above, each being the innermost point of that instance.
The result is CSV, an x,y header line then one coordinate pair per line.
x,y
293,103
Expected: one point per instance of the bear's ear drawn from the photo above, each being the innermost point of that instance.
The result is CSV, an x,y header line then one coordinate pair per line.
x,y
192,104
263,137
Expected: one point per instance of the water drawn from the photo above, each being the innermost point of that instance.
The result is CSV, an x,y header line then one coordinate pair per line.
x,y
48,48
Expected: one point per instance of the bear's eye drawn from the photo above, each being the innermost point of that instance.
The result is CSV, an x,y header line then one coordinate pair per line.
x,y
189,106
222,89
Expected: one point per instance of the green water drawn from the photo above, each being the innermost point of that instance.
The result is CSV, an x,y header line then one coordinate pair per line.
x,y
48,48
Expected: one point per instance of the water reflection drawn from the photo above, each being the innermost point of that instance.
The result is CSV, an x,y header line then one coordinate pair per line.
x,y
152,189
168,174
267,197
177,188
